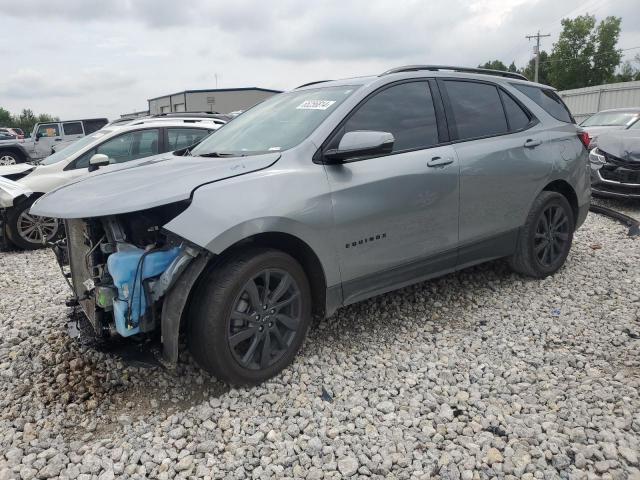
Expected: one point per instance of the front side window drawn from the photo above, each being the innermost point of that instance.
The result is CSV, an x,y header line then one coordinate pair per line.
x,y
548,100
184,137
72,128
125,147
405,110
279,123
48,130
477,109
74,147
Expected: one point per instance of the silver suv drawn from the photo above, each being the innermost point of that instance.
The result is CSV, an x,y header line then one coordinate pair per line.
x,y
321,197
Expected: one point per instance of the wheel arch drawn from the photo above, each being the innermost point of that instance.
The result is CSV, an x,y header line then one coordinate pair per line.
x,y
15,149
565,189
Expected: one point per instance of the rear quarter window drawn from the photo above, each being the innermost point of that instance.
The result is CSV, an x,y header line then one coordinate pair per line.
x,y
548,100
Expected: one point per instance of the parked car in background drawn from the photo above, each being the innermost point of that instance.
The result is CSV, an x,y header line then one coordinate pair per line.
x,y
14,132
612,119
117,143
321,197
7,136
615,163
44,136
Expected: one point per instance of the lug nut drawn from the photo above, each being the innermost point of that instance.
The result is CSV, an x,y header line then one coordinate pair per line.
x,y
273,311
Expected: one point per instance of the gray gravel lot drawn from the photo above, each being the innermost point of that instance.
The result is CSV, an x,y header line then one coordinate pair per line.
x,y
479,374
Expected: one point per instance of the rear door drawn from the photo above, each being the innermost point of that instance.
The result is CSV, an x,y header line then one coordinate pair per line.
x,y
395,216
503,152
72,131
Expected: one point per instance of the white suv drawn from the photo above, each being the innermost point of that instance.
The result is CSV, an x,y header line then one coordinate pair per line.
x,y
120,141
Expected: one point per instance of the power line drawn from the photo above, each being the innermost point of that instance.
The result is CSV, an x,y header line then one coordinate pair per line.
x,y
595,55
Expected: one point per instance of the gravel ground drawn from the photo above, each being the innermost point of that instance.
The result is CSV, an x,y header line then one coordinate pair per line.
x,y
479,374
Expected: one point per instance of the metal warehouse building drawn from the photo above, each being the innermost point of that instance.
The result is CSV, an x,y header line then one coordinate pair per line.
x,y
221,100
584,102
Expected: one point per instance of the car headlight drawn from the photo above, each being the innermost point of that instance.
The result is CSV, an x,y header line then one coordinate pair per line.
x,y
597,159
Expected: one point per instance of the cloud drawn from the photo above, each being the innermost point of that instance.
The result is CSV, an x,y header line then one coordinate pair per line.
x,y
30,83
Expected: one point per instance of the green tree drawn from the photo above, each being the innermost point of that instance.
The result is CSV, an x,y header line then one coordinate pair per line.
x,y
512,67
5,118
585,53
543,70
494,65
629,71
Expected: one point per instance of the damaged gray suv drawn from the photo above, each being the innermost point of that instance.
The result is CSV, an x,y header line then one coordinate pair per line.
x,y
318,198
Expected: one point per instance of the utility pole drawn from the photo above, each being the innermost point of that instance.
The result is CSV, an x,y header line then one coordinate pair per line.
x,y
536,50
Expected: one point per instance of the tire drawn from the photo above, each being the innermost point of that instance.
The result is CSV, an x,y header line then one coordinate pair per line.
x,y
233,349
19,221
536,256
8,157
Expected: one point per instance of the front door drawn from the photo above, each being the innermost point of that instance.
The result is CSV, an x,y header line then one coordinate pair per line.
x,y
395,216
47,135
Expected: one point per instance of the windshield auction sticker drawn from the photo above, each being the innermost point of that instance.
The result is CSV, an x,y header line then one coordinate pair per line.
x,y
315,104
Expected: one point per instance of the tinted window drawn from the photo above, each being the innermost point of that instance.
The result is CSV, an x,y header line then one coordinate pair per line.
x,y
124,148
405,110
91,126
517,117
548,100
477,110
183,137
49,130
72,128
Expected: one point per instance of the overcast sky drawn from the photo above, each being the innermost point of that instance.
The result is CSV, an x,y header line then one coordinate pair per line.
x,y
81,58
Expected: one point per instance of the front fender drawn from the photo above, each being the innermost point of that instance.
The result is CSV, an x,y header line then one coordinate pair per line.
x,y
286,200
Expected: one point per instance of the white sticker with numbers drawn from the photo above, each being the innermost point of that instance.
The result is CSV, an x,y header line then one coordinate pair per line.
x,y
315,104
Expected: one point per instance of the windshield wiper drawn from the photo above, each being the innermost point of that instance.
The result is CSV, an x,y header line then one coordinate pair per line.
x,y
221,154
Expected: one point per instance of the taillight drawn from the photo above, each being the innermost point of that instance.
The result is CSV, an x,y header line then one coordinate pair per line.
x,y
584,138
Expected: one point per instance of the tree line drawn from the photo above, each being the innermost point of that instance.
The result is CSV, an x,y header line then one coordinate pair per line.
x,y
585,54
25,120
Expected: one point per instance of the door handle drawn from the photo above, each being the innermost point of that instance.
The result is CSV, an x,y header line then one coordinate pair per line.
x,y
439,161
530,143
57,139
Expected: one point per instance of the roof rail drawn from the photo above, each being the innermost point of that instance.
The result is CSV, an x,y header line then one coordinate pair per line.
x,y
435,68
187,114
312,83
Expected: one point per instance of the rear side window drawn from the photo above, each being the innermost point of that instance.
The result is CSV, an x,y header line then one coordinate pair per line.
x,y
72,128
548,100
405,110
518,119
91,126
184,137
477,109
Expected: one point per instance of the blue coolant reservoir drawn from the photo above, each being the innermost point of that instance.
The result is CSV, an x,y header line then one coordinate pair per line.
x,y
128,268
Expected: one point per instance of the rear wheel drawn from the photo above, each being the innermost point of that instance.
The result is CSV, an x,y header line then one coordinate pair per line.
x,y
27,231
545,240
250,316
9,158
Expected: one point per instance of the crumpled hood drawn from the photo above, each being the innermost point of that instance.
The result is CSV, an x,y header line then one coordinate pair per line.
x,y
623,144
140,185
10,190
13,169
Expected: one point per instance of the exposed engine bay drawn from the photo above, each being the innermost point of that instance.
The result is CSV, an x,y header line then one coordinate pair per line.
x,y
122,266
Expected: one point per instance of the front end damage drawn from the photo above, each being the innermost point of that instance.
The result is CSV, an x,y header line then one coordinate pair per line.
x,y
131,277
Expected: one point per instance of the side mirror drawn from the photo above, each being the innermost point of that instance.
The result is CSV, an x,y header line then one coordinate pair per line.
x,y
38,136
360,143
98,160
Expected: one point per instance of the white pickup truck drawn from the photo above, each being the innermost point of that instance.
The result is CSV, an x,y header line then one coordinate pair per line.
x,y
45,138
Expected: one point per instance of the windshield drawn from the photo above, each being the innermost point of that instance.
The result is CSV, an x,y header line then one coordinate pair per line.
x,y
74,147
277,124
611,119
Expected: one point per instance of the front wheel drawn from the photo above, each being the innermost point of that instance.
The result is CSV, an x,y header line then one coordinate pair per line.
x,y
545,239
250,316
9,158
29,231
